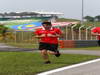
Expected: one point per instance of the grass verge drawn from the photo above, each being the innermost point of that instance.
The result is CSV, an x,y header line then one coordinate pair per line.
x,y
30,45
30,63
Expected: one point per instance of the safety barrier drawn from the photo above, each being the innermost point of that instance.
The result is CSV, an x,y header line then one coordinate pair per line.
x,y
77,43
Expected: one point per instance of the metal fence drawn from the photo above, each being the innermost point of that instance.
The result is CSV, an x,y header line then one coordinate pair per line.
x,y
69,33
82,33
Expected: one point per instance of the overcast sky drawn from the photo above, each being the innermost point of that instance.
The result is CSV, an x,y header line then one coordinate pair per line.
x,y
70,8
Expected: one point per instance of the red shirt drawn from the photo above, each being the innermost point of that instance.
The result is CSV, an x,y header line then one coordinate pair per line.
x,y
46,39
97,30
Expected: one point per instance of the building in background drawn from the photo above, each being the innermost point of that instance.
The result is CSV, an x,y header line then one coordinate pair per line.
x,y
41,15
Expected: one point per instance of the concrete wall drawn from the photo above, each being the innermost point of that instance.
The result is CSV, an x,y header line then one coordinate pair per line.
x,y
78,43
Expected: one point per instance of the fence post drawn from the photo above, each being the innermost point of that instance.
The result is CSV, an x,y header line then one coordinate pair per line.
x,y
73,31
15,36
66,32
80,31
91,35
87,32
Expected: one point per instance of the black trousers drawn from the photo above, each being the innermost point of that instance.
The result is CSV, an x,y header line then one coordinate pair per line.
x,y
48,46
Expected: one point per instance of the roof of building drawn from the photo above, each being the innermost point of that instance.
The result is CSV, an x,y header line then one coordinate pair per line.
x,y
30,13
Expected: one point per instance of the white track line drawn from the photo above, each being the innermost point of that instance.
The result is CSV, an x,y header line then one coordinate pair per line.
x,y
68,67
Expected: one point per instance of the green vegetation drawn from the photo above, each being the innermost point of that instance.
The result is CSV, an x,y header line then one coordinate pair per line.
x,y
67,20
97,24
86,23
31,45
23,45
26,63
2,27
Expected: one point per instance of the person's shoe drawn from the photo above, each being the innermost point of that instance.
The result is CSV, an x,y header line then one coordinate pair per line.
x,y
47,62
58,54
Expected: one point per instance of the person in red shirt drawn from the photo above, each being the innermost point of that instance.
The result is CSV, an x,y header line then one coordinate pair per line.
x,y
96,32
48,40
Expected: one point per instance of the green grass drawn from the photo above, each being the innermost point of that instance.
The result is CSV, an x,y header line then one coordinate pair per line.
x,y
26,45
97,24
30,63
23,45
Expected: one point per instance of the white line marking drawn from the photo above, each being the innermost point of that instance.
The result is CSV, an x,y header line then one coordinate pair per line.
x,y
68,67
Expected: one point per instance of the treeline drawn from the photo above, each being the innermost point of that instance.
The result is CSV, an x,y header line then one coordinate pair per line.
x,y
92,19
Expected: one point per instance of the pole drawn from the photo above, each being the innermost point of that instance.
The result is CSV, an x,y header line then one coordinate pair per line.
x,y
82,12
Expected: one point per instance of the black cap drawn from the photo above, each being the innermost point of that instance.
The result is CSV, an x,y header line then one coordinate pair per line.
x,y
47,23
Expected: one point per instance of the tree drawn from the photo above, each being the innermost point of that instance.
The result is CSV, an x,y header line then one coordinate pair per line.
x,y
97,18
89,18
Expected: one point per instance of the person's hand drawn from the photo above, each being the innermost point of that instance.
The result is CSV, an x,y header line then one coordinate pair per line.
x,y
39,36
42,35
51,35
98,34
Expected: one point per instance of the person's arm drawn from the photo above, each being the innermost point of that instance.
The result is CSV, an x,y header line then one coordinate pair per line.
x,y
57,34
40,36
95,34
53,35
